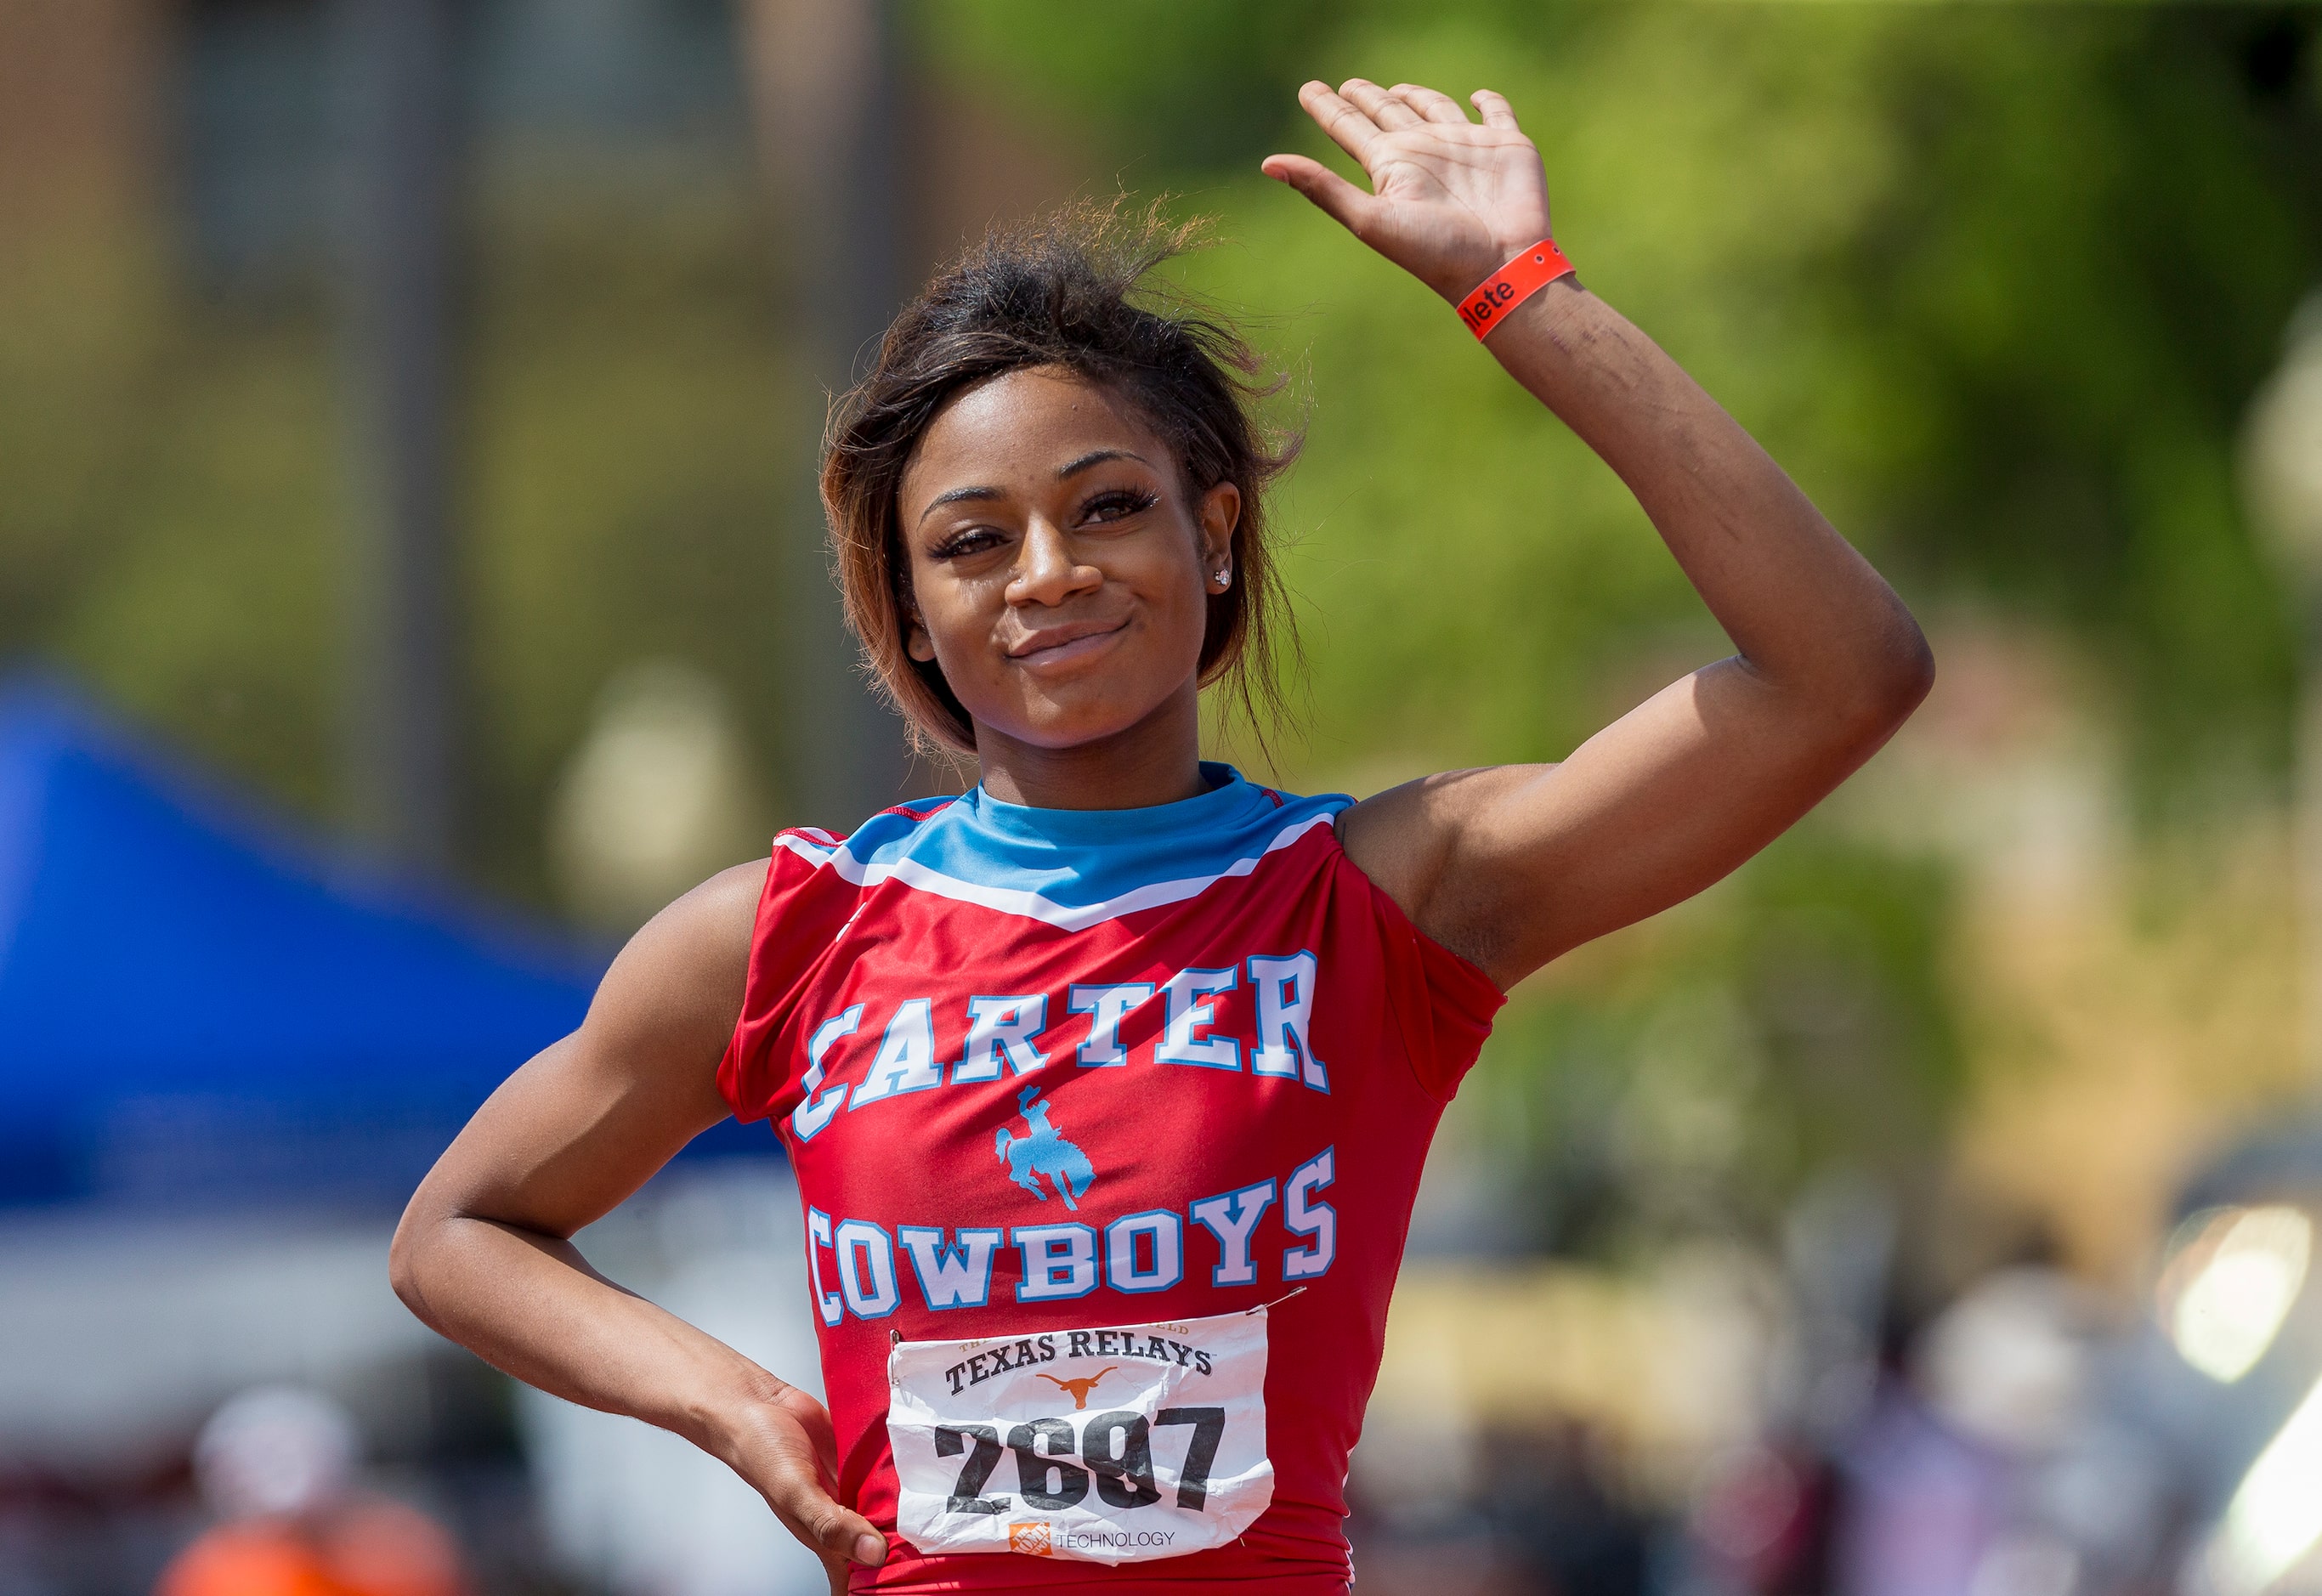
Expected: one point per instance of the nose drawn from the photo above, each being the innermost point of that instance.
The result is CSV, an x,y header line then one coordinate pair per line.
x,y
1045,573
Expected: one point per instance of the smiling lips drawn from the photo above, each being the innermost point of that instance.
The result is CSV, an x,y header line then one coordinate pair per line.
x,y
1058,645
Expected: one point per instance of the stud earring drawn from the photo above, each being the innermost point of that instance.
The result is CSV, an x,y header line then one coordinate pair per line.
x,y
1225,576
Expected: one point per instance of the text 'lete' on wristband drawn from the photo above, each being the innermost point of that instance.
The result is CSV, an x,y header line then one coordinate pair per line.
x,y
1532,269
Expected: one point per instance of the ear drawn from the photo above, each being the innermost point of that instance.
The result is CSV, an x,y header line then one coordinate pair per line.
x,y
1220,513
916,641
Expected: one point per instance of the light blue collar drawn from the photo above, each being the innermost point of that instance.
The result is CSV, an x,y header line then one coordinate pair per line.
x,y
1074,868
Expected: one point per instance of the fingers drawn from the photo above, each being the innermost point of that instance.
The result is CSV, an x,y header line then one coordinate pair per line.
x,y
828,1529
1496,109
1338,199
1382,107
785,1448
1432,104
1348,128
1355,114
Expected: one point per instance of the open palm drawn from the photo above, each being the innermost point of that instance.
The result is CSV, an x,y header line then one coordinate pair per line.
x,y
1451,200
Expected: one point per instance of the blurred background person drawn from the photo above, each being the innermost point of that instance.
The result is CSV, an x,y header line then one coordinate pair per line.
x,y
275,1466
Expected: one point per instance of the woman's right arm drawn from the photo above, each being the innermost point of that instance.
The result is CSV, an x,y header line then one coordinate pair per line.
x,y
484,1254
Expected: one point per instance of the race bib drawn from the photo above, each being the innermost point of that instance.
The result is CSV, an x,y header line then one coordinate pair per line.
x,y
1108,1445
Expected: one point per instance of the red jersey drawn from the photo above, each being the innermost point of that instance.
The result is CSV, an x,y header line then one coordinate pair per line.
x,y
1064,1088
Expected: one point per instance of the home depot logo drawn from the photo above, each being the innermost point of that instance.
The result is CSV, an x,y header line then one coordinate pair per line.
x,y
1034,1537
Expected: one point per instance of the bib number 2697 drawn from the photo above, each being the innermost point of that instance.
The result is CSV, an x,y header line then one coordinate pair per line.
x,y
1105,1446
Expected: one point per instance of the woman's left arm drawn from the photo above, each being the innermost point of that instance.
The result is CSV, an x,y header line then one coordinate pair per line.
x,y
1514,865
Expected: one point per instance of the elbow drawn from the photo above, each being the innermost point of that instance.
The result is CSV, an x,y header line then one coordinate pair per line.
x,y
1910,673
404,1260
1891,684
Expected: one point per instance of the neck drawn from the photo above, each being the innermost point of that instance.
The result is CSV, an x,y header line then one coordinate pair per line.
x,y
1157,760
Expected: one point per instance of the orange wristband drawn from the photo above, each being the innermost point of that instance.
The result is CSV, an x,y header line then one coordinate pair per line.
x,y
1531,271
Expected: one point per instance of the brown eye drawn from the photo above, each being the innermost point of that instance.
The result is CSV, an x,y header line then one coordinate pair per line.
x,y
1118,505
974,540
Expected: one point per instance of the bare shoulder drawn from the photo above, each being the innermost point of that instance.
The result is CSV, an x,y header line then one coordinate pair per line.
x,y
1405,838
591,1116
679,979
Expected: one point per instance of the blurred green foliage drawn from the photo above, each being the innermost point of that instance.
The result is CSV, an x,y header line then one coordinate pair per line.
x,y
1799,1022
170,483
1995,283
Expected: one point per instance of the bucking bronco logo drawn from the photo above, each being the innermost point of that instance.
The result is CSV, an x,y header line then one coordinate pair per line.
x,y
1043,1152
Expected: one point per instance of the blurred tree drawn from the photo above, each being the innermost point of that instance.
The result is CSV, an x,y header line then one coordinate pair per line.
x,y
1996,285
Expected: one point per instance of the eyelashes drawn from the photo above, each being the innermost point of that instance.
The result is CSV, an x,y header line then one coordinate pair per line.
x,y
1117,505
973,540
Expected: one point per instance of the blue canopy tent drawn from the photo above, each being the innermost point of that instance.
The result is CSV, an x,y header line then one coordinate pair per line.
x,y
194,1008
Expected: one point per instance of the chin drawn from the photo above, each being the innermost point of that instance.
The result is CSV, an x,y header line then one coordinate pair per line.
x,y
1062,732
1057,726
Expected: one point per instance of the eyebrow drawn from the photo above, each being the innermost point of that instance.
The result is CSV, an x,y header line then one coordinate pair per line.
x,y
1096,457
958,495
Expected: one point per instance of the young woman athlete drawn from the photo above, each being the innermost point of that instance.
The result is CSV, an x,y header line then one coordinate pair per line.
x,y
1107,1085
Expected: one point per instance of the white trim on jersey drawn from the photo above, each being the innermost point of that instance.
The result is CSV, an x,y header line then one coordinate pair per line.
x,y
1031,905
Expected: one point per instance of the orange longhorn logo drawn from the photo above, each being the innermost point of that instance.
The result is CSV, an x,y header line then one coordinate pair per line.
x,y
1080,1389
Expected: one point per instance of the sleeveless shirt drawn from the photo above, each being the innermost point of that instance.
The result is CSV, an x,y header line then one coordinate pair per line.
x,y
1039,1070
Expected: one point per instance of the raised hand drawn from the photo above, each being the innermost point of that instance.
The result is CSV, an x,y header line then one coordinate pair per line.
x,y
1513,865
1451,200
